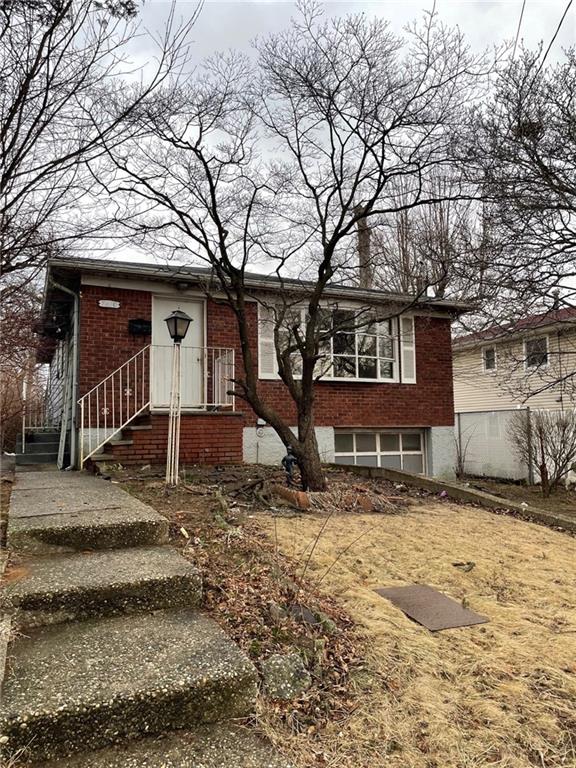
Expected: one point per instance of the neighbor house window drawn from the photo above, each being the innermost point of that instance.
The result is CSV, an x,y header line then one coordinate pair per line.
x,y
394,450
536,352
352,347
489,357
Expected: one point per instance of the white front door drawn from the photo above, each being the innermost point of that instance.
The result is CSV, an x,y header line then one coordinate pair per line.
x,y
192,354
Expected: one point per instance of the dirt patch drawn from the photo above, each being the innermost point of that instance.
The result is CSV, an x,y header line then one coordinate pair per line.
x,y
498,694
561,501
254,593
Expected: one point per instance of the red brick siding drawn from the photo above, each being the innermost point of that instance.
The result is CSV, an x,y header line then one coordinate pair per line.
x,y
427,403
106,344
204,439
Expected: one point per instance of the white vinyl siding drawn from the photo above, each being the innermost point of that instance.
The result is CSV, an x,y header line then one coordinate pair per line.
x,y
369,354
403,449
56,385
511,384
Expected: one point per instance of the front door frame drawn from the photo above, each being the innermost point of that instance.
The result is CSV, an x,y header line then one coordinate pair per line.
x,y
178,296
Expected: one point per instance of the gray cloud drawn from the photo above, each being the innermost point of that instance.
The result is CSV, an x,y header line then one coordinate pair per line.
x,y
235,23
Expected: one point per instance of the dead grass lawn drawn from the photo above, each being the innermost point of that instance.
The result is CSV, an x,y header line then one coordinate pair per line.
x,y
562,500
501,694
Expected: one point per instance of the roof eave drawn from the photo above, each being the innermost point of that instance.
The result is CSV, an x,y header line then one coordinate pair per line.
x,y
172,274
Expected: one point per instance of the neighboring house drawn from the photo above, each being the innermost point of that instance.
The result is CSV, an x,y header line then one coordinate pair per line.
x,y
528,364
532,362
384,400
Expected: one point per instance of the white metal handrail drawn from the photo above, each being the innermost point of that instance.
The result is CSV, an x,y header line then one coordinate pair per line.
x,y
113,403
206,376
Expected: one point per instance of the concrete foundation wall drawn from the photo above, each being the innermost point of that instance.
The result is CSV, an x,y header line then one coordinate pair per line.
x,y
89,438
441,450
261,445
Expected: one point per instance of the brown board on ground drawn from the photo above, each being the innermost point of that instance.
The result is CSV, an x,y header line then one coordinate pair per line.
x,y
430,608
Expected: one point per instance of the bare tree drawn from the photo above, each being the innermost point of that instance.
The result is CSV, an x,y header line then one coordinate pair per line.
x,y
274,165
441,245
19,310
523,149
521,152
548,439
63,92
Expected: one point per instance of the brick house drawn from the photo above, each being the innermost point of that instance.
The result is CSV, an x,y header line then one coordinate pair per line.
x,y
388,402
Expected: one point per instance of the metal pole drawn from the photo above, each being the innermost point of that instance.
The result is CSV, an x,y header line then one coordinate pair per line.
x,y
176,478
173,448
170,424
82,434
24,407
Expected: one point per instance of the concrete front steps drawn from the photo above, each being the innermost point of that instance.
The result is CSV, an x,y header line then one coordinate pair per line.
x,y
118,448
220,745
41,447
109,648
79,512
82,686
108,582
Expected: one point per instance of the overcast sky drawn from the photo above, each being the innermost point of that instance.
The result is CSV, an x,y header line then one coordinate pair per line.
x,y
225,24
234,23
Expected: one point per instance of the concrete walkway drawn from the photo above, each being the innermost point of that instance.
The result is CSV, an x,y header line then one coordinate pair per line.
x,y
115,650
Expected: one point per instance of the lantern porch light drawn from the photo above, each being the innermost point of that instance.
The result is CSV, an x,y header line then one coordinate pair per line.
x,y
178,323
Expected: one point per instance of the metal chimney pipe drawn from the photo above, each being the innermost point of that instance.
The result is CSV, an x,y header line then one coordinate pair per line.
x,y
364,265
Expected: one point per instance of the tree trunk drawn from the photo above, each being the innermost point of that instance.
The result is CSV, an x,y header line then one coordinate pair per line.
x,y
311,470
306,450
544,480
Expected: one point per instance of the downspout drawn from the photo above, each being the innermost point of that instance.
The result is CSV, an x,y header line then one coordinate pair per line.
x,y
73,404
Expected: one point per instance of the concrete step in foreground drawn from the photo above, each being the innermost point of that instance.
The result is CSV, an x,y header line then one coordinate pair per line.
x,y
80,585
86,513
222,745
79,687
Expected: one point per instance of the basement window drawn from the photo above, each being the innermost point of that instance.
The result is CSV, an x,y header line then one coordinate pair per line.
x,y
391,449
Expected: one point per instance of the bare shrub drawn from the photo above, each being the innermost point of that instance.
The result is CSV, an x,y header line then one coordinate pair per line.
x,y
548,440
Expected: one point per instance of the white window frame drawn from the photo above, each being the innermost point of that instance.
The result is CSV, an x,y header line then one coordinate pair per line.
x,y
403,344
526,353
484,368
377,432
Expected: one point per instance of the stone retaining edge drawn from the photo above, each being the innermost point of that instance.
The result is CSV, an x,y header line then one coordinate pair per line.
x,y
461,493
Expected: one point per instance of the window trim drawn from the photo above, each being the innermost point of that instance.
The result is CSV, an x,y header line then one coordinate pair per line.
x,y
484,368
398,348
526,354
